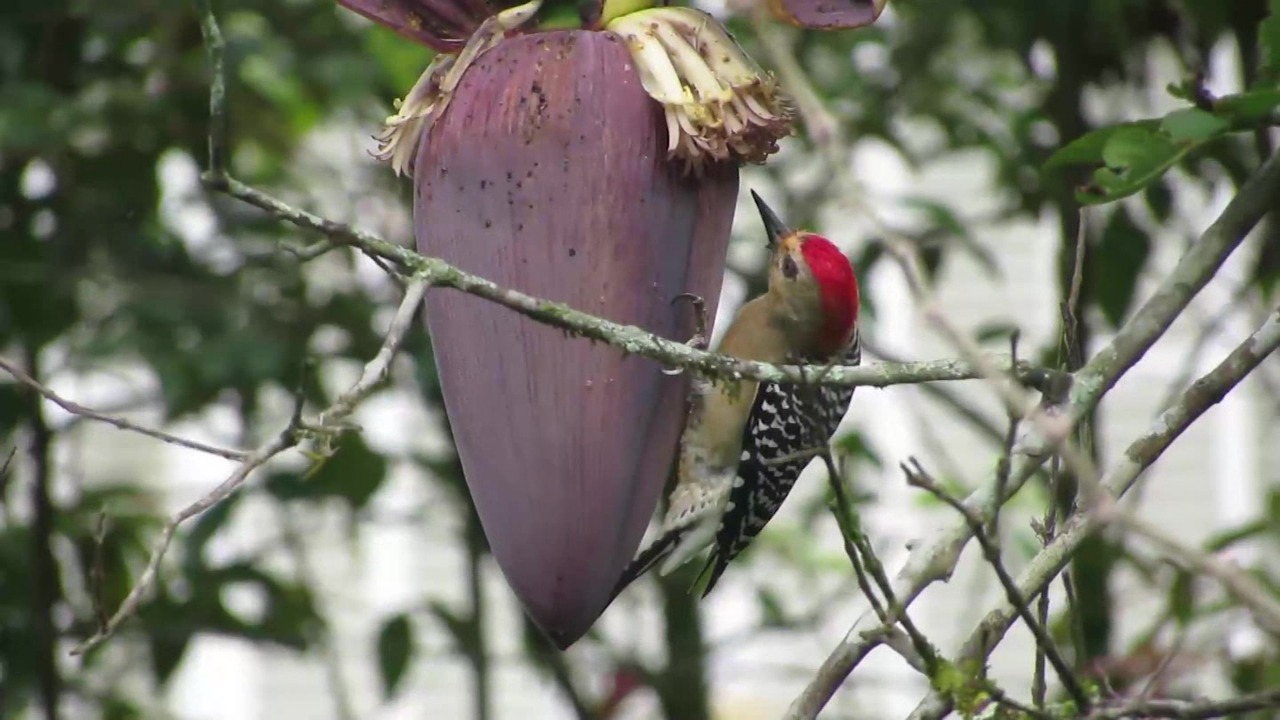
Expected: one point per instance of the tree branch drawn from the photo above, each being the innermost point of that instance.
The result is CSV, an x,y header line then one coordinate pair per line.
x,y
1191,710
918,477
129,606
1167,427
82,411
328,424
627,338
1246,589
1194,270
936,560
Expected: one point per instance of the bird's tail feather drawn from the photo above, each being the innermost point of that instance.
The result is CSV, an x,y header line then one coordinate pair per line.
x,y
647,558
710,574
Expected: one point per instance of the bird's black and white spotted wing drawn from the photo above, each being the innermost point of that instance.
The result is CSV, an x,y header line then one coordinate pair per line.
x,y
785,420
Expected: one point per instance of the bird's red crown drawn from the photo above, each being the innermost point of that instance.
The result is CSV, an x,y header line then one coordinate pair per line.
x,y
837,287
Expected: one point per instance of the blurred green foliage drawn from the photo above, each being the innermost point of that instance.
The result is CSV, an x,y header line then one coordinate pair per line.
x,y
96,274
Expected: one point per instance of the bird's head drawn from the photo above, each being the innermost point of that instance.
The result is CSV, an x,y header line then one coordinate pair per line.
x,y
813,282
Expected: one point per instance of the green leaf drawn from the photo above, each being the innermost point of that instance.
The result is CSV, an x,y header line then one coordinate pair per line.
x,y
1269,47
353,473
1182,598
1133,157
461,627
773,616
1160,200
1117,262
1193,125
1249,109
1088,148
395,649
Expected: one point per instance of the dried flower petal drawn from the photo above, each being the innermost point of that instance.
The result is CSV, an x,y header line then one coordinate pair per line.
x,y
720,105
398,142
443,25
826,14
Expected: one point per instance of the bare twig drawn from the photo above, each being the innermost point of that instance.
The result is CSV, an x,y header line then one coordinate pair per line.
x,y
77,409
1191,710
934,561
1071,308
917,476
97,572
1004,464
850,532
1046,532
335,681
1054,427
329,423
1246,589
214,48
4,472
855,538
1166,428
129,606
628,338
376,372
1002,698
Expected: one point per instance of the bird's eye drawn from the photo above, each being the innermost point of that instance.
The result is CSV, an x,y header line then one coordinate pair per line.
x,y
789,269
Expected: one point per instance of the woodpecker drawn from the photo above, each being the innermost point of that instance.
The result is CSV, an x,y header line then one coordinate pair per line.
x,y
744,444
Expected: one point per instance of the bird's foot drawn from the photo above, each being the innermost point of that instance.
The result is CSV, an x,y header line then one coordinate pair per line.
x,y
699,341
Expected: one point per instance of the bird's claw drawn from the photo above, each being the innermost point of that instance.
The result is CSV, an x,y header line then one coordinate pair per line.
x,y
699,340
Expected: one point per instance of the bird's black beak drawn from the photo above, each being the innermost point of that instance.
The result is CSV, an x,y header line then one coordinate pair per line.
x,y
774,228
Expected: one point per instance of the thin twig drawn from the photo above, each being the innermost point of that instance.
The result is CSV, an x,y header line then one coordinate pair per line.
x,y
1053,427
4,472
1046,532
1246,589
1071,308
917,476
627,338
1122,476
379,368
1000,697
1005,463
1191,710
97,572
214,48
850,528
336,682
328,423
78,409
934,561
129,606
1156,683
